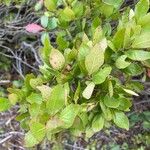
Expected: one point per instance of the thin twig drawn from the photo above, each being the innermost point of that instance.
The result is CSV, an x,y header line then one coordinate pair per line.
x,y
141,102
2,82
5,139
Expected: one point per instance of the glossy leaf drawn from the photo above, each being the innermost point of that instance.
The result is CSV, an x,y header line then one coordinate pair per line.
x,y
54,125
121,63
101,75
30,140
111,102
110,89
121,120
45,91
44,21
97,123
87,93
94,60
69,114
106,111
141,8
38,131
77,92
50,4
133,69
67,14
115,3
130,92
142,41
56,100
138,55
34,98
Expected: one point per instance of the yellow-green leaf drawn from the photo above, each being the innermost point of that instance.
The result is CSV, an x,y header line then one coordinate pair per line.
x,y
67,14
30,140
56,100
121,120
142,41
97,123
50,4
69,114
94,60
130,92
87,93
121,63
101,75
56,59
4,104
141,8
138,55
38,130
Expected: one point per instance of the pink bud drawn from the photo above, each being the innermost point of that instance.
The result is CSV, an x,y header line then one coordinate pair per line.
x,y
148,73
33,28
41,1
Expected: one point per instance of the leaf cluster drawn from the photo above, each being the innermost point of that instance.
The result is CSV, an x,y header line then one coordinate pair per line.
x,y
86,77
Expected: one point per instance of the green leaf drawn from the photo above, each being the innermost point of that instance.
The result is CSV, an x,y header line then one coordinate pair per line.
x,y
44,21
98,35
97,123
50,4
56,100
62,42
38,130
36,82
106,10
125,104
83,52
101,75
144,21
56,59
118,39
121,120
130,92
27,80
127,38
45,52
78,9
69,114
77,93
115,3
52,23
13,98
110,89
142,41
34,98
54,125
138,55
87,93
67,14
141,8
45,91
30,140
94,60
84,117
111,102
106,111
121,63
38,6
34,110
4,104
133,70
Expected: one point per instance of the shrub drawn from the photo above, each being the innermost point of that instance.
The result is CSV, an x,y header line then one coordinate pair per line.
x,y
86,82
